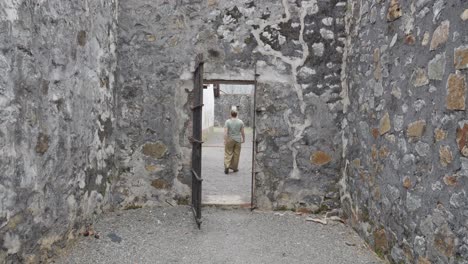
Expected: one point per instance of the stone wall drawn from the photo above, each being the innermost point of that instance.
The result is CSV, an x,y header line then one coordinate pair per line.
x,y
299,148
297,47
406,166
56,121
223,108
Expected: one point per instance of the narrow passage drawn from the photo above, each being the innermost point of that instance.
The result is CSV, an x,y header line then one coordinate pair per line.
x,y
219,188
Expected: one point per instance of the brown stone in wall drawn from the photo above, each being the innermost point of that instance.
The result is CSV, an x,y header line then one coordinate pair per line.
x,y
15,221
154,150
378,71
440,35
407,182
456,90
384,124
444,241
376,193
462,139
284,196
445,155
320,158
374,152
151,168
380,240
364,176
416,129
384,152
357,163
375,133
42,144
151,38
303,210
464,15
408,250
425,39
160,184
419,77
440,134
422,260
461,58
81,38
394,11
173,41
410,39
179,22
212,2
450,180
376,55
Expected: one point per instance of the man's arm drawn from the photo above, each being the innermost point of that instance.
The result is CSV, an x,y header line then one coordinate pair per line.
x,y
243,134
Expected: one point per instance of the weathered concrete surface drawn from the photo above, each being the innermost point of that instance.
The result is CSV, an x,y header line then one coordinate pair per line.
x,y
219,188
169,235
405,170
297,47
223,105
57,60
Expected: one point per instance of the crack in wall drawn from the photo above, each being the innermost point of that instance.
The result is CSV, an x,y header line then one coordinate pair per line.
x,y
296,129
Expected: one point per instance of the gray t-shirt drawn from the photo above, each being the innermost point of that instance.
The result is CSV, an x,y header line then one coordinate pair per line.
x,y
234,126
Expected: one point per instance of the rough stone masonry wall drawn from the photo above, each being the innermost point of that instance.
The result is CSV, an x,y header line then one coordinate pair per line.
x,y
297,46
223,105
56,110
405,77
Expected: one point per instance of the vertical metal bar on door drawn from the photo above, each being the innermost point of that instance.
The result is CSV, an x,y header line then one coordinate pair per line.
x,y
196,139
254,140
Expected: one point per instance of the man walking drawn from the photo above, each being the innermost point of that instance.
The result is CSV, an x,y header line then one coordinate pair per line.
x,y
234,136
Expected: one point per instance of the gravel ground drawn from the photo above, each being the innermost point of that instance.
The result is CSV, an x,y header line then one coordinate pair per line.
x,y
169,235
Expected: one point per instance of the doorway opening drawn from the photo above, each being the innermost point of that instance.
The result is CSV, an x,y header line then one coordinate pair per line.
x,y
219,98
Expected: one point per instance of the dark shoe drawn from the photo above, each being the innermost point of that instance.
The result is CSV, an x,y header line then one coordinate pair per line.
x,y
226,171
235,170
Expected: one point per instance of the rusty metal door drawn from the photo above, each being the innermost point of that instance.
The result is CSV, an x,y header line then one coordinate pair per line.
x,y
196,139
